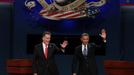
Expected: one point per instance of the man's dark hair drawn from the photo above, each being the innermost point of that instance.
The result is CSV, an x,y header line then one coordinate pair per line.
x,y
46,33
84,34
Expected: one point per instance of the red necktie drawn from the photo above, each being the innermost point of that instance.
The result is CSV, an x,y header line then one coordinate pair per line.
x,y
46,52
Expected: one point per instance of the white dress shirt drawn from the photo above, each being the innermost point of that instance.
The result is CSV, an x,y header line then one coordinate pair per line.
x,y
83,47
44,47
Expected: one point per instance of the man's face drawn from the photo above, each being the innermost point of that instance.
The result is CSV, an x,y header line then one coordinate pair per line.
x,y
85,39
46,39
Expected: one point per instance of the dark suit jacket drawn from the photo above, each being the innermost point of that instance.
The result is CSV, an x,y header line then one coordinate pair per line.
x,y
83,66
43,66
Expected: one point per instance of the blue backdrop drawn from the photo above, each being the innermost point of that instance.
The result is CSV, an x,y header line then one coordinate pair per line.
x,y
109,18
15,27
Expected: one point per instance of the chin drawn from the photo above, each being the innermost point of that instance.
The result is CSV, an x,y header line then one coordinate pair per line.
x,y
47,43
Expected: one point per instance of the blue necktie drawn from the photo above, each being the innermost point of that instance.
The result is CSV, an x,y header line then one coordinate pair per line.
x,y
85,52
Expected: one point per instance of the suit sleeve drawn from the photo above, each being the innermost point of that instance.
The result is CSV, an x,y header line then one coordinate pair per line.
x,y
35,60
75,63
100,49
58,49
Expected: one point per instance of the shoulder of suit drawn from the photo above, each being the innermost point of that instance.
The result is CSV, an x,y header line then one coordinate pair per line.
x,y
38,45
92,44
78,47
52,44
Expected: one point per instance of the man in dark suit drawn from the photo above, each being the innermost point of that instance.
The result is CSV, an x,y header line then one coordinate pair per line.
x,y
44,61
84,57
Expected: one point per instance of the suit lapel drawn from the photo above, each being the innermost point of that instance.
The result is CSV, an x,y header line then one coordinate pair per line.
x,y
81,53
89,50
42,52
49,50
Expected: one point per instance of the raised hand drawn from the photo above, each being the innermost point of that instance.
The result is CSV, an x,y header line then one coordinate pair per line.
x,y
64,44
74,74
35,74
103,34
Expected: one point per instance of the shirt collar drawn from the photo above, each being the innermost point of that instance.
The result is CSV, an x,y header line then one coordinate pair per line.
x,y
44,45
84,45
